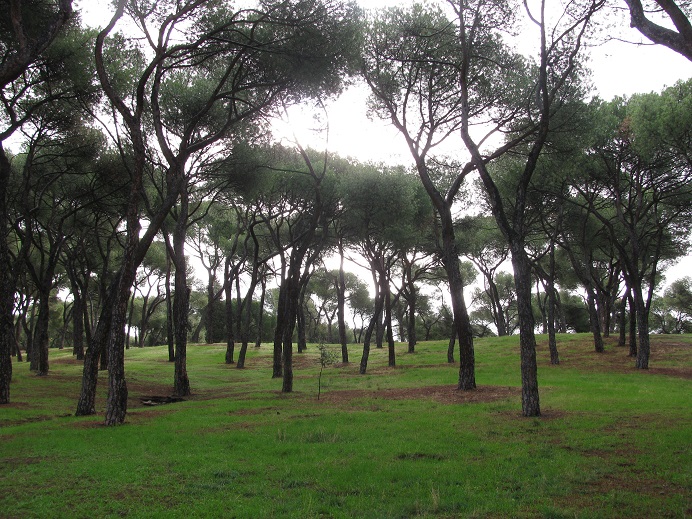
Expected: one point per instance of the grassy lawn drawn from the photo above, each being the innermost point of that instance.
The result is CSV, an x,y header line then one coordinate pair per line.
x,y
613,441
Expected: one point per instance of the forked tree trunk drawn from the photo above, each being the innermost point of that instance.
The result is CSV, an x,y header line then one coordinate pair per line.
x,y
97,346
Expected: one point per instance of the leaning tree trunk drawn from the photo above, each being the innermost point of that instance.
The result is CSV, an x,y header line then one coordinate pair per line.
x,y
622,322
530,403
462,323
97,346
379,304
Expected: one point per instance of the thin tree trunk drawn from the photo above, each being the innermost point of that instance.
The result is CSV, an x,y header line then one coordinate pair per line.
x,y
341,306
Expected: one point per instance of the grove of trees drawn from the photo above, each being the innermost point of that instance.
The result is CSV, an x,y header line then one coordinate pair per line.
x,y
146,200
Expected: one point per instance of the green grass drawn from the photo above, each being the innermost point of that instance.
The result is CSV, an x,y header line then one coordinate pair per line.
x,y
613,441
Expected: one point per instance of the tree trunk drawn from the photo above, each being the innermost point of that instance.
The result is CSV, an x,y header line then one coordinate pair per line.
x,y
643,350
39,359
496,306
7,287
228,288
391,353
530,403
451,346
170,335
260,313
633,325
77,323
116,404
594,321
181,301
552,341
622,322
97,346
341,305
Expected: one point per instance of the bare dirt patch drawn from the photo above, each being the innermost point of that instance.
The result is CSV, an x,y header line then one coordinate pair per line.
x,y
443,394
616,358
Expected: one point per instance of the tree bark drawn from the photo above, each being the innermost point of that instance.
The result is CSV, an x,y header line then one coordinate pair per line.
x,y
181,301
341,305
7,287
594,321
633,325
530,402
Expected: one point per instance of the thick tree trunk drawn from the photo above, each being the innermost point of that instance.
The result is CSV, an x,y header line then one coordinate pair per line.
x,y
39,360
462,323
77,323
633,325
530,402
643,350
451,346
116,404
594,321
181,302
622,322
170,334
97,346
7,287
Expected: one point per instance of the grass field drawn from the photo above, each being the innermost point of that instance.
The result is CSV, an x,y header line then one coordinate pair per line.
x,y
612,442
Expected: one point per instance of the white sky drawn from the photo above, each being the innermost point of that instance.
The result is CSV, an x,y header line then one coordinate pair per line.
x,y
618,68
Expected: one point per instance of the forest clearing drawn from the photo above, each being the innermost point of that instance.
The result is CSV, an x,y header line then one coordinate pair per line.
x,y
612,441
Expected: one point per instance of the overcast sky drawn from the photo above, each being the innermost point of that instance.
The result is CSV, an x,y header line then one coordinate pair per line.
x,y
618,68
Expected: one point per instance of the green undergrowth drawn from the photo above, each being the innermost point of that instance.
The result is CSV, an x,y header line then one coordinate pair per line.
x,y
613,441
